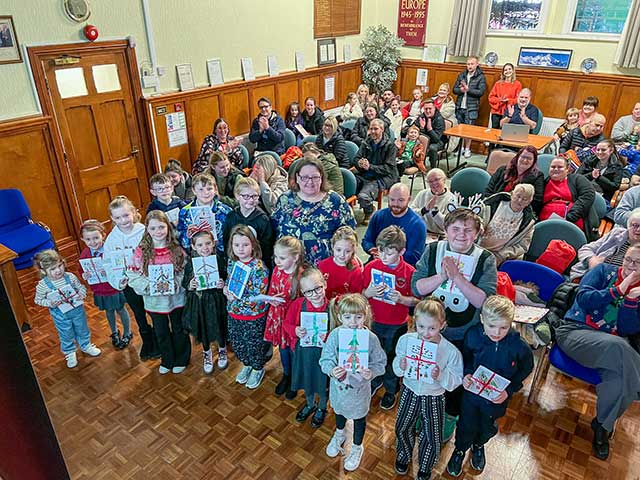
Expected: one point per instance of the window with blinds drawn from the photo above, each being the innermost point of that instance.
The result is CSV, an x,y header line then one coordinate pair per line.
x,y
336,18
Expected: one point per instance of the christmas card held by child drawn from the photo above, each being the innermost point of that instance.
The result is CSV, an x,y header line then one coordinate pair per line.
x,y
466,265
238,279
316,325
353,349
386,279
161,280
205,271
116,267
94,271
421,360
204,219
68,296
487,384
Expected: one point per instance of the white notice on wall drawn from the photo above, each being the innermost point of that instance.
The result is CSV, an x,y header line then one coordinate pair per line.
x,y
329,88
323,53
214,67
176,128
331,52
272,65
185,77
421,76
346,52
247,68
299,61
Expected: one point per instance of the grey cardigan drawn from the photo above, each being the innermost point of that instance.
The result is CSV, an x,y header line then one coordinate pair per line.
x,y
602,247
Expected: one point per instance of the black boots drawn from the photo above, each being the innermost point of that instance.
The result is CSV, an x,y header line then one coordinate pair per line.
x,y
284,384
149,348
600,440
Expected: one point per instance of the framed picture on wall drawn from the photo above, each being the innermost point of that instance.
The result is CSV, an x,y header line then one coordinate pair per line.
x,y
326,51
544,58
9,46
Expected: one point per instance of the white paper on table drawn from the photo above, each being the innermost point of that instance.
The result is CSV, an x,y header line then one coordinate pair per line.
x,y
421,360
323,53
204,217
388,279
329,88
529,314
487,384
299,61
205,271
238,279
68,295
317,325
421,76
331,52
353,349
272,65
94,269
161,280
346,53
185,77
247,68
214,68
172,214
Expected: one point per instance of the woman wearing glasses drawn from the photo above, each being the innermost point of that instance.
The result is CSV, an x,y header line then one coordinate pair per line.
x,y
226,176
603,168
310,211
219,141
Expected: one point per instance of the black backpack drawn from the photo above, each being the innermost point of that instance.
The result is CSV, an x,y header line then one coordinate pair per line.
x,y
559,304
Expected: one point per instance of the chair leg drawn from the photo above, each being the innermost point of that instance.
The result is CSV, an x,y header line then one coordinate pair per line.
x,y
539,374
413,177
424,180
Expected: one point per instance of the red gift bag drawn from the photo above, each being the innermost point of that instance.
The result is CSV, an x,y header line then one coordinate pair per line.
x,y
505,286
558,256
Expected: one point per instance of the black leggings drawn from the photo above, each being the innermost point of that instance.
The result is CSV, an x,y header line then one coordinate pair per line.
x,y
359,427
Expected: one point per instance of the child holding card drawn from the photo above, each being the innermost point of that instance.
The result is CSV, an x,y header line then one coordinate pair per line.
x,y
307,326
343,270
205,310
247,278
288,256
63,294
389,292
499,349
105,296
156,274
430,364
193,216
350,393
164,200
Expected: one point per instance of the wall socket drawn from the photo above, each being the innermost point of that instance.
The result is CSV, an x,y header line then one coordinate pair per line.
x,y
161,71
149,81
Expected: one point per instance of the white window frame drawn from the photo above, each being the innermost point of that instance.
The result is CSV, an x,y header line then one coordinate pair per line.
x,y
570,16
544,14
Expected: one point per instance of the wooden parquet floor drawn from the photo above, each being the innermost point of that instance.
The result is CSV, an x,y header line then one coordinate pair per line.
x,y
117,418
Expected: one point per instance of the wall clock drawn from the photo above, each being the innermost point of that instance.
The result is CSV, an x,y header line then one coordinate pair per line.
x,y
77,10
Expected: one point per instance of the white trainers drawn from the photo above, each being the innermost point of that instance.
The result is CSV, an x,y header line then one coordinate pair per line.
x,y
223,359
467,153
335,445
163,370
243,376
207,362
178,370
352,461
72,359
92,350
255,379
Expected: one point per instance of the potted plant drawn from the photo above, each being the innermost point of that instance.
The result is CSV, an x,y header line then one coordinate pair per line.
x,y
381,56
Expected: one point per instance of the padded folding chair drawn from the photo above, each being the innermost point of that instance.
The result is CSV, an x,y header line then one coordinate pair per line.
x,y
536,130
469,181
289,139
350,186
544,160
309,139
348,124
352,150
554,228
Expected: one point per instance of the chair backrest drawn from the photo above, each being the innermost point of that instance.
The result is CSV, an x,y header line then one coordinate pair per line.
x,y
469,181
554,228
350,184
14,211
497,159
245,156
544,278
348,124
309,139
536,130
600,206
274,155
352,150
550,125
289,138
544,160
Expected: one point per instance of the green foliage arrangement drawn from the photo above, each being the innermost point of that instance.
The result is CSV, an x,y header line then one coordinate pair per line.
x,y
381,56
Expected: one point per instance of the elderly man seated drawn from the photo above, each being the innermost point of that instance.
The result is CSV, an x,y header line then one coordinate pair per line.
x,y
523,112
586,136
626,126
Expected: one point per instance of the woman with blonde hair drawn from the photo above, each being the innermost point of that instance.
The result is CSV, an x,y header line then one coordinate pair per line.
x,y
272,179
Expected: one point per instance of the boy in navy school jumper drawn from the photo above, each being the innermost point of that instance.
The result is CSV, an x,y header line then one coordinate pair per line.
x,y
496,346
164,200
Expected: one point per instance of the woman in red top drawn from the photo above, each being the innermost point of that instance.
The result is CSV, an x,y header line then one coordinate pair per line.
x,y
569,196
504,93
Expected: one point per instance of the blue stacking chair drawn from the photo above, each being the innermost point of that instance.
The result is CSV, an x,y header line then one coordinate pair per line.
x,y
245,157
289,139
18,231
469,181
554,228
309,139
352,150
350,185
348,124
536,130
544,160
546,279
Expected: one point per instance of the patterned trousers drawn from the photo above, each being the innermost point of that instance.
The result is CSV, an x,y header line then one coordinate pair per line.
x,y
430,410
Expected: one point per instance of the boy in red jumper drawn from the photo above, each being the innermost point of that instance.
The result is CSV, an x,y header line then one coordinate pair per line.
x,y
390,306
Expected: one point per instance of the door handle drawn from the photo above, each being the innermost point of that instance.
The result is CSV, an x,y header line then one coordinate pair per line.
x,y
135,151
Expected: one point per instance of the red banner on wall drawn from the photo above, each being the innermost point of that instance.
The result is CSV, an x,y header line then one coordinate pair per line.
x,y
412,21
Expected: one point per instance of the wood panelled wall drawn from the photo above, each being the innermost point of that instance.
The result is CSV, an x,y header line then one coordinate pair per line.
x,y
554,91
236,102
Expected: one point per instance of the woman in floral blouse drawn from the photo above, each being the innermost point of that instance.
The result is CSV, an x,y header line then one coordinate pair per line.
x,y
311,212
219,141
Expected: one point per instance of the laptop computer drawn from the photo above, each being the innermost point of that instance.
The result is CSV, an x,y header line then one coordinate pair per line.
x,y
512,132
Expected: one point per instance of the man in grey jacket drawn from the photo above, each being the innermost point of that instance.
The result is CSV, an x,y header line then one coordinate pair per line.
x,y
626,125
469,87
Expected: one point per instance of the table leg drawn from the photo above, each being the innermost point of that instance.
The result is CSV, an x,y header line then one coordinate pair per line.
x,y
458,164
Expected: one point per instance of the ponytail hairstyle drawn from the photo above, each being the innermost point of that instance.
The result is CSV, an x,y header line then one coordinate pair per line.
x,y
47,259
123,201
295,247
354,303
431,307
146,244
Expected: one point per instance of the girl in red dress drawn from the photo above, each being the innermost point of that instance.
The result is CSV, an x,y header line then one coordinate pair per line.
x,y
342,271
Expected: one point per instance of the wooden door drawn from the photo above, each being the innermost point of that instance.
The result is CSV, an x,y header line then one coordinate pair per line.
x,y
94,107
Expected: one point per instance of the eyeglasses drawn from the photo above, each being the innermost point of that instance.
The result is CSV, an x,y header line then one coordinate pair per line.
x,y
634,226
314,291
165,188
307,179
248,196
630,261
263,106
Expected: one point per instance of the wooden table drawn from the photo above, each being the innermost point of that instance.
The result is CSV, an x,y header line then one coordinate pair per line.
x,y
491,135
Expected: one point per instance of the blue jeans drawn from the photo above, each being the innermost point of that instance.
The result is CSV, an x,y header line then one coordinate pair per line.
x,y
72,327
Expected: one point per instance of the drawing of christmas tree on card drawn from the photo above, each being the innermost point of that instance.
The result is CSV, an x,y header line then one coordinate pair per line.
x,y
316,324
421,360
238,279
466,265
353,349
487,384
161,280
205,271
388,280
94,271
204,219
